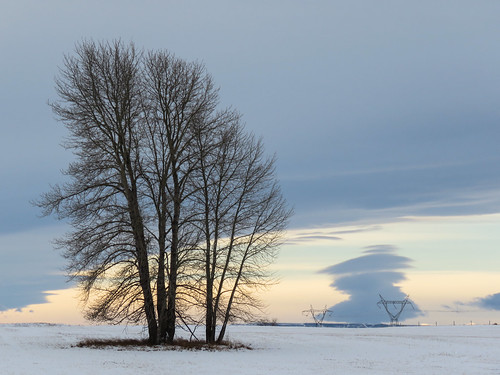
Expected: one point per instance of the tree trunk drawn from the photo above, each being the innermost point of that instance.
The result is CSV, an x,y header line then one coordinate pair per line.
x,y
141,247
161,296
209,316
144,275
170,319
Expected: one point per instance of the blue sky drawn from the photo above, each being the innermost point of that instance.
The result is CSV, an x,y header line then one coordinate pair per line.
x,y
377,111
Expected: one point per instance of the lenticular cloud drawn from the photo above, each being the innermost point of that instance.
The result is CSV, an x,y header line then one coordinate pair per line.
x,y
363,278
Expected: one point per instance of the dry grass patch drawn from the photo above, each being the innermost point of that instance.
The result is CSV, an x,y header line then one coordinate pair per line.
x,y
143,344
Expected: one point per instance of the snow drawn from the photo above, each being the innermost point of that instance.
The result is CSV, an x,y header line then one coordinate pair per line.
x,y
48,349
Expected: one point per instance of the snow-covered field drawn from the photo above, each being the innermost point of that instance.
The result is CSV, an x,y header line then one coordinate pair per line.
x,y
48,349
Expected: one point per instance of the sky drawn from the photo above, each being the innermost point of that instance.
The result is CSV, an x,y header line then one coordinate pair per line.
x,y
383,115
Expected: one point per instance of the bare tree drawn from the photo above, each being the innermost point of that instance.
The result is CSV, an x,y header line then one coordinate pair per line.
x,y
243,218
181,100
100,104
173,206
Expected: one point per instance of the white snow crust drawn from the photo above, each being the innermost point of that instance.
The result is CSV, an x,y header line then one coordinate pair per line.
x,y
49,349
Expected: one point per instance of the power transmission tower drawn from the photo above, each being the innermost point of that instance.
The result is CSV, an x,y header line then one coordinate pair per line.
x,y
395,315
317,315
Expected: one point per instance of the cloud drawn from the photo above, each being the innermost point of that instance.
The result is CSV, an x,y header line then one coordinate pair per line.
x,y
310,238
491,302
381,249
370,228
377,260
471,188
363,279
29,267
311,235
389,133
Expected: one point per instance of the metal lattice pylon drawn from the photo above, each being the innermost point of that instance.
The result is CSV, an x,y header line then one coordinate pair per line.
x,y
395,316
317,315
